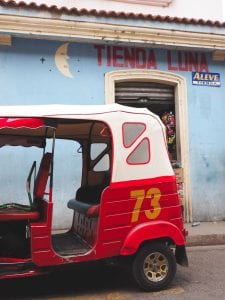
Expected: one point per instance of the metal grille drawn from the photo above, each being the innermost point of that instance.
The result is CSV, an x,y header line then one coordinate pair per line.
x,y
155,96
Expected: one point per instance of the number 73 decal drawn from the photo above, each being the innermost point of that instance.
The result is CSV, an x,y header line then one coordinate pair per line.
x,y
154,195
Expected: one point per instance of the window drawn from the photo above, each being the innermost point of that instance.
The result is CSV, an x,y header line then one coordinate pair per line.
x,y
141,154
101,162
131,133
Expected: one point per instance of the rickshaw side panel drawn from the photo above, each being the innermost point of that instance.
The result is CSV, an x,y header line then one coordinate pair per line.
x,y
42,253
86,227
120,214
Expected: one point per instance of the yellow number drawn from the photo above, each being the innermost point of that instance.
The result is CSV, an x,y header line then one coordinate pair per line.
x,y
139,195
154,195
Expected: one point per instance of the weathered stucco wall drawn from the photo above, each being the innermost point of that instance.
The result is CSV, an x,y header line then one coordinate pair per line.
x,y
33,73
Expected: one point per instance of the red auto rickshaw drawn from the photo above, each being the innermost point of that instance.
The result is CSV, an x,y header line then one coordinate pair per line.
x,y
126,207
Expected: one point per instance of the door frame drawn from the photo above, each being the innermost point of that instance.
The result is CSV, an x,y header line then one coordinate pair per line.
x,y
181,111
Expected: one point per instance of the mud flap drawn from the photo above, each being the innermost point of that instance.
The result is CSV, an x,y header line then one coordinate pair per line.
x,y
181,256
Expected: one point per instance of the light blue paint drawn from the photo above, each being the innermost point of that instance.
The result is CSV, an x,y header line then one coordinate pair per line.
x,y
34,82
207,144
24,79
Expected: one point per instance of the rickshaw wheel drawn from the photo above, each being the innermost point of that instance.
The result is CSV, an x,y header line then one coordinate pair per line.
x,y
154,267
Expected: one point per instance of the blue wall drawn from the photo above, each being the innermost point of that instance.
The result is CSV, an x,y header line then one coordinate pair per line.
x,y
29,75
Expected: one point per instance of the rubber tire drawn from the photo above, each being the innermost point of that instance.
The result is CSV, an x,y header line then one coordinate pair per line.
x,y
137,268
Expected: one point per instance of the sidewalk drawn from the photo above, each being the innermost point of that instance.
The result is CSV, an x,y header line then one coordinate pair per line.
x,y
205,233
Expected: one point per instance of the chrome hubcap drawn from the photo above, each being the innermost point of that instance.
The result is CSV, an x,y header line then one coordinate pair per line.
x,y
155,266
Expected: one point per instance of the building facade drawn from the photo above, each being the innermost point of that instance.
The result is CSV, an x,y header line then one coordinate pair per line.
x,y
79,53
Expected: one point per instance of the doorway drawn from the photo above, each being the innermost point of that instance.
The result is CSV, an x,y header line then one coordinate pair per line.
x,y
162,93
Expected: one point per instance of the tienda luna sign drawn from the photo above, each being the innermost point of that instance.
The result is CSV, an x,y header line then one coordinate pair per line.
x,y
144,58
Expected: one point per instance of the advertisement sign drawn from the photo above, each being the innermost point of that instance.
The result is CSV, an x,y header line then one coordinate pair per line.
x,y
205,78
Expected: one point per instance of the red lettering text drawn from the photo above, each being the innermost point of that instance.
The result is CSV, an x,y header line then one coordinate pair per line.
x,y
169,59
140,58
99,53
143,58
126,57
187,61
108,56
129,57
118,57
203,64
182,61
151,60
193,61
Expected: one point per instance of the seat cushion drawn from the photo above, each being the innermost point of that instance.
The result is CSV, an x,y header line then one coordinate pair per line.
x,y
84,208
14,214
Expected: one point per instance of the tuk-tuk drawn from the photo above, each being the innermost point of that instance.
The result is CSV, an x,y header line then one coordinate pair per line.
x,y
126,207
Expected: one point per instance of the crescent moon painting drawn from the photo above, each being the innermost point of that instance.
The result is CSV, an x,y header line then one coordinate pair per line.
x,y
61,62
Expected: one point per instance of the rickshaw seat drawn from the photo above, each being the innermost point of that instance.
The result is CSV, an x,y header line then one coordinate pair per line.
x,y
16,214
13,214
90,194
87,200
86,209
42,176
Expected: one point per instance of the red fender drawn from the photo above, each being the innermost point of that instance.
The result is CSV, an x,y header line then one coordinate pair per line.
x,y
149,231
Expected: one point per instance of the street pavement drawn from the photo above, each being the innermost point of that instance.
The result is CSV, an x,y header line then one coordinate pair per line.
x,y
202,280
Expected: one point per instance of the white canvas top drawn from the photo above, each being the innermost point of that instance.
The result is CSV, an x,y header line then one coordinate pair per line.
x,y
51,110
115,116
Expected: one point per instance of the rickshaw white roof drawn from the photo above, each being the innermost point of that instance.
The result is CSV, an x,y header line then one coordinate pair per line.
x,y
115,116
61,110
